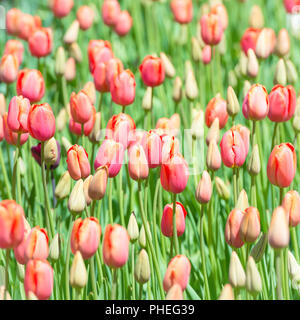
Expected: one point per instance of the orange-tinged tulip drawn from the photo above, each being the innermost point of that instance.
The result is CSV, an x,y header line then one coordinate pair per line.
x,y
152,145
85,17
10,136
62,8
220,10
115,246
178,271
18,111
232,228
211,28
123,24
99,51
9,67
85,236
152,71
40,42
281,168
14,47
265,44
216,108
39,279
81,107
13,17
182,10
37,244
78,162
137,163
110,12
27,25
250,226
204,188
291,205
11,224
167,220
19,250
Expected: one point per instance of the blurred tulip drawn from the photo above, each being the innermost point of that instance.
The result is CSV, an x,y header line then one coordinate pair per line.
x,y
2,104
31,85
85,17
211,28
291,204
175,293
167,220
10,136
216,108
97,186
253,65
36,246
204,189
123,23
137,163
177,90
110,12
85,236
71,34
39,279
265,44
80,107
256,18
27,25
70,71
290,5
14,47
226,293
232,228
40,42
9,67
250,225
283,43
152,71
115,246
88,126
178,272
19,250
60,61
75,52
232,102
133,228
280,75
182,10
206,54
99,51
249,39
220,10
90,90
18,110
259,248
86,184
152,145
12,21
78,163
61,8
213,156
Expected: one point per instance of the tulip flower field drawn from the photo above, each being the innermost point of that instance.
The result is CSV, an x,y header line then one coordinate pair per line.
x,y
149,150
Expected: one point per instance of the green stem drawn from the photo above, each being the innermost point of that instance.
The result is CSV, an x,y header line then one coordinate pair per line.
x,y
114,284
278,274
207,293
93,277
274,134
175,237
110,201
132,267
14,177
235,192
295,243
6,289
67,288
5,176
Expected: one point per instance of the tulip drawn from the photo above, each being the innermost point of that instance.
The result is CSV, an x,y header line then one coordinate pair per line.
x,y
206,54
88,126
122,88
256,18
54,249
41,122
191,89
252,65
71,34
40,42
28,24
18,110
220,10
38,279
204,188
51,153
123,24
237,276
120,128
80,107
114,67
110,12
175,293
115,246
97,186
232,228
70,70
178,271
2,104
174,173
78,273
85,17
167,220
291,204
249,39
30,84
282,103
86,185
253,279
213,157
36,245
256,103
169,126
137,163
9,66
110,154
265,44
11,224
233,149
78,163
152,145
142,268
283,43
12,20
77,202
226,293
279,233
90,90
61,8
99,51
169,68
85,236
216,108
19,250
290,5
133,228
177,90
10,136
14,47
152,71
232,102
250,226
281,168
211,28
182,10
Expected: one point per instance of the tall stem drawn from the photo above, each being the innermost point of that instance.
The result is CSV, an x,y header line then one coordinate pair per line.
x,y
114,284
175,237
207,295
132,271
5,176
67,288
93,277
6,273
14,177
278,274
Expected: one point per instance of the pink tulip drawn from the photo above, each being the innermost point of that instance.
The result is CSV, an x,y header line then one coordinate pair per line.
x,y
220,10
18,111
167,220
99,51
137,163
9,67
13,17
204,189
232,228
110,12
123,24
27,25
250,225
291,5
10,136
206,54
14,47
78,162
81,107
182,11
249,39
152,71
216,108
211,29
19,250
40,42
85,17
61,8
291,205
36,246
76,127
152,145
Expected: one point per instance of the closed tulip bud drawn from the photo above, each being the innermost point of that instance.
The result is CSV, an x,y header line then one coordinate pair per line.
x,y
39,279
216,108
78,273
122,88
133,228
21,271
2,104
226,293
152,71
147,99
280,76
279,233
265,43
123,24
61,119
293,266
54,250
115,246
71,34
11,224
75,52
98,183
256,18
291,72
233,106
30,84
36,246
70,71
110,12
249,39
254,162
222,189
169,68
63,187
237,276
40,42
167,220
253,279
283,43
178,271
242,202
196,50
50,151
213,157
197,127
77,203
142,267
142,236
211,29
86,184
291,204
85,17
252,65
246,88
191,88
9,67
61,8
137,163
259,248
232,80
204,189
232,228
60,61
243,63
296,124
281,168
78,163
85,236
250,225
177,90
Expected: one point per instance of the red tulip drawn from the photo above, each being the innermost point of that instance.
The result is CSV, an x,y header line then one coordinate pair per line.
x,y
152,71
40,42
19,250
167,220
249,39
28,24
